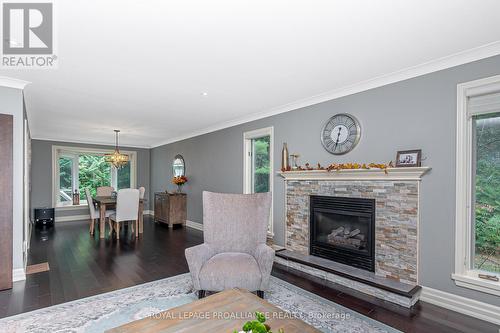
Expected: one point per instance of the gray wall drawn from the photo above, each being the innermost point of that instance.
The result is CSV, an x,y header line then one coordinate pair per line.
x,y
416,113
11,102
41,157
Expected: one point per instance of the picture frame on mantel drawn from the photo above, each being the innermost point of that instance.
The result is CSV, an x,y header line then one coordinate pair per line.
x,y
409,158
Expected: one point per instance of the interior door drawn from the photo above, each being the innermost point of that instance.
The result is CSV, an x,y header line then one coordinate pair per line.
x,y
6,204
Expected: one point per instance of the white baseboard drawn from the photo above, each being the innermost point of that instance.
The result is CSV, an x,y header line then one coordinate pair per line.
x,y
72,218
18,274
87,217
473,308
194,225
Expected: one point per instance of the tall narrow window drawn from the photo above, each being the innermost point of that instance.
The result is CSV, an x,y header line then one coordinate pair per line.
x,y
65,179
477,245
486,192
261,164
258,154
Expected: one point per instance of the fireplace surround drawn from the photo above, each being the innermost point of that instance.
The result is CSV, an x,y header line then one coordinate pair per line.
x,y
394,193
342,229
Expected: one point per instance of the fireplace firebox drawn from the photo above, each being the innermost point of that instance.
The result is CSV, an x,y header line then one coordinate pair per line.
x,y
343,230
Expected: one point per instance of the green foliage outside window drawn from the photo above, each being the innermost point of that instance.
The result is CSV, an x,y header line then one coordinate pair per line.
x,y
487,194
65,178
94,171
261,164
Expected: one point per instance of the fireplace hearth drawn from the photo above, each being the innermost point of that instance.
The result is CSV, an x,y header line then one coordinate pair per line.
x,y
343,230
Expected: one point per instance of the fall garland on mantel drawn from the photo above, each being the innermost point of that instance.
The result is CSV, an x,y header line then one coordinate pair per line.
x,y
343,166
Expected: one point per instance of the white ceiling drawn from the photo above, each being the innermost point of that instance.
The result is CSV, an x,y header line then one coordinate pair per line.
x,y
142,66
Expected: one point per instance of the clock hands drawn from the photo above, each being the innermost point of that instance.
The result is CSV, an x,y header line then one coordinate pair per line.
x,y
338,138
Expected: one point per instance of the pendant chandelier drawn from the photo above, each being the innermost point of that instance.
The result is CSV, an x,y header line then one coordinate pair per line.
x,y
117,159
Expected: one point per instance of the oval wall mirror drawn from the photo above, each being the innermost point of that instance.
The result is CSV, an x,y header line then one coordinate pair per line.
x,y
178,166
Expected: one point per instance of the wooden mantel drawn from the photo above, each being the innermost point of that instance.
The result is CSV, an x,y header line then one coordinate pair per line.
x,y
407,173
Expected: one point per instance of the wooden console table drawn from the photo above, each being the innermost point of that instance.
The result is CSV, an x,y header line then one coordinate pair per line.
x,y
170,208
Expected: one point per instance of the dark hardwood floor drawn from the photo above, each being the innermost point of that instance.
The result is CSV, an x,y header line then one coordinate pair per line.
x,y
81,266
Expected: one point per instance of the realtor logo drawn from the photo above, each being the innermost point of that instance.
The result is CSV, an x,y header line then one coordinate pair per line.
x,y
28,35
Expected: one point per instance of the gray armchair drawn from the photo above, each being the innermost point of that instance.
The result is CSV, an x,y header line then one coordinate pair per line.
x,y
234,253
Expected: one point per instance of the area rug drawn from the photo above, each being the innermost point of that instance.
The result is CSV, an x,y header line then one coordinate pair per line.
x,y
102,312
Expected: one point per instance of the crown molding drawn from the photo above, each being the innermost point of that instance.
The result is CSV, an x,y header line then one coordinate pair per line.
x,y
9,82
108,144
460,58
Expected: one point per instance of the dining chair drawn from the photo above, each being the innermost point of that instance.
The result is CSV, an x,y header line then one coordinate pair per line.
x,y
105,191
142,190
127,210
94,212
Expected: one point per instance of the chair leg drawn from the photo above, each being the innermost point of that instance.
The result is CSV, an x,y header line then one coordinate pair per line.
x,y
201,294
91,228
110,223
137,228
260,293
117,230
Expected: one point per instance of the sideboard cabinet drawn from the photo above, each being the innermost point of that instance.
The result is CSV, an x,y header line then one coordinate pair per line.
x,y
170,208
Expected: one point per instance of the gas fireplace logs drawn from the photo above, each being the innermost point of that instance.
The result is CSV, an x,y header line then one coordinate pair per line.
x,y
346,237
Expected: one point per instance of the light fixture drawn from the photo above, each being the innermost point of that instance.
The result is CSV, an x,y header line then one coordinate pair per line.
x,y
204,93
117,159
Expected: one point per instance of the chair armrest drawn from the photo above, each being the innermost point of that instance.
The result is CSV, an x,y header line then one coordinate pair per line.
x,y
196,256
264,255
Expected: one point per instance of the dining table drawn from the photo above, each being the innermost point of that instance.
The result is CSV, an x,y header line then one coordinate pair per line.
x,y
107,202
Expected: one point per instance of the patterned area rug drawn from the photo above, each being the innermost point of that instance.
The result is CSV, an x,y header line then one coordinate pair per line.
x,y
102,312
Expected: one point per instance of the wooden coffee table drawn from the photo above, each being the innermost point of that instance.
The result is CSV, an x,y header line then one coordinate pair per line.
x,y
223,312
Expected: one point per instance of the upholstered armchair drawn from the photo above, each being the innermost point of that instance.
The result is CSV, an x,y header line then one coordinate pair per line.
x,y
234,253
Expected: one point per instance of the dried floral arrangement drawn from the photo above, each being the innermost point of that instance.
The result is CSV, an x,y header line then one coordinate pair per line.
x,y
343,166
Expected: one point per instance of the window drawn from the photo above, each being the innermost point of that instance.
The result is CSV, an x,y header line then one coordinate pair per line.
x,y
79,169
486,192
258,163
477,253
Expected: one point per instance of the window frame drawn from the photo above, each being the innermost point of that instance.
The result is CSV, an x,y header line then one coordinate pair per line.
x,y
71,151
248,166
464,274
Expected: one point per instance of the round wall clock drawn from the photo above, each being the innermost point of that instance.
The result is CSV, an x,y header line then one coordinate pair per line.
x,y
340,134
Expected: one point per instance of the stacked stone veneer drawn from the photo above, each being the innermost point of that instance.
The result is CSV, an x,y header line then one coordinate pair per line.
x,y
396,220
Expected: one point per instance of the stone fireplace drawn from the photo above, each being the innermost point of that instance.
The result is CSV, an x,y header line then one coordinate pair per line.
x,y
367,219
357,228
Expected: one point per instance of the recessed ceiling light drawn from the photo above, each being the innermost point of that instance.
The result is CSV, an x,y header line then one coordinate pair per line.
x,y
204,93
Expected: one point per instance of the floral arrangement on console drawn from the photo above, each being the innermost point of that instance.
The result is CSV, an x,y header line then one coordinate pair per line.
x,y
257,326
179,181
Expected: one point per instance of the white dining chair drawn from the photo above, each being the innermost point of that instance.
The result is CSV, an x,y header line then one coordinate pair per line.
x,y
127,210
105,191
142,190
94,212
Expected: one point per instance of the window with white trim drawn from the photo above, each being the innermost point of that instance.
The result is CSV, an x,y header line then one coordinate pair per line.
x,y
477,261
78,169
258,164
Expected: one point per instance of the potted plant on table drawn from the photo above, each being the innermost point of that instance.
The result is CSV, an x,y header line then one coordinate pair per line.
x,y
258,325
179,181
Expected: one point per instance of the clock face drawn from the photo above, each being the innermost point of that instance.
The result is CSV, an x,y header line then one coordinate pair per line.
x,y
340,134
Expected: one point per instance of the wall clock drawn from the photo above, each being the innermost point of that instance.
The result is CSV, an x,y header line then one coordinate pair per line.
x,y
340,134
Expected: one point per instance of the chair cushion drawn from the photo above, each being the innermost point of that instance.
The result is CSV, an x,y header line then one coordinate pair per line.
x,y
230,270
110,212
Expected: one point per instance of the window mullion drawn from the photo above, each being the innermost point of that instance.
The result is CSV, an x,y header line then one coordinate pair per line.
x,y
76,172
